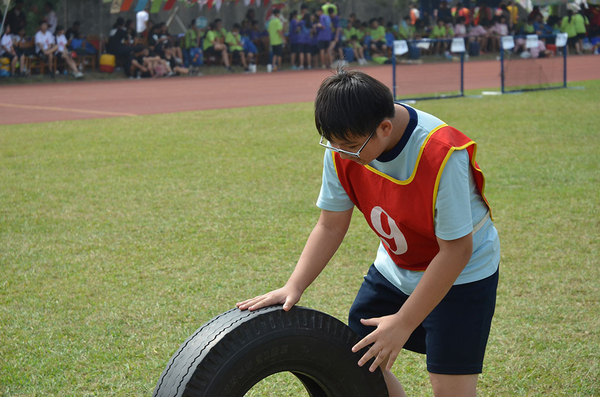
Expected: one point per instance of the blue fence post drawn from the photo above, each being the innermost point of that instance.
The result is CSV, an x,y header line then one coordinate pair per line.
x,y
565,66
502,67
462,73
393,72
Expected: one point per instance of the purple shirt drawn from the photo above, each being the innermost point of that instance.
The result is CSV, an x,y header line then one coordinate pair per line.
x,y
324,33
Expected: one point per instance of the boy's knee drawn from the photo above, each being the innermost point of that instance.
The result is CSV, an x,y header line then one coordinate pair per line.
x,y
454,385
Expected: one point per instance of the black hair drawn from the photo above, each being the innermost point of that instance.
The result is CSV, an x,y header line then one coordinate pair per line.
x,y
236,25
350,104
49,5
276,11
331,11
293,14
307,22
59,28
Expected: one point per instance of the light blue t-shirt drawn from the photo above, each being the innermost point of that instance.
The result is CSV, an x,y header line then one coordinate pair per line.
x,y
459,207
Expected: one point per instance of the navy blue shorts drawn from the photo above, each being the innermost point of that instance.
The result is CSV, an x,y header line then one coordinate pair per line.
x,y
455,333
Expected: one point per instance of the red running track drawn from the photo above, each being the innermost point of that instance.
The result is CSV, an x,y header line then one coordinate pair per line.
x,y
34,103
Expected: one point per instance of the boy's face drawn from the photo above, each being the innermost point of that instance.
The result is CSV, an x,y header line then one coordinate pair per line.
x,y
368,148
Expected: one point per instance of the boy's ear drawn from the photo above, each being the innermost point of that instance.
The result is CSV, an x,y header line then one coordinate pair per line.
x,y
386,128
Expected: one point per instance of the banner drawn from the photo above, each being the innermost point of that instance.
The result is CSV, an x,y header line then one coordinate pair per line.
x,y
115,6
532,41
458,45
126,5
140,5
155,6
400,47
508,42
169,5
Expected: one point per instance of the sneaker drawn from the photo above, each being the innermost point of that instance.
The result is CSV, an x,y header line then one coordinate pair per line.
x,y
247,70
294,67
300,67
309,68
78,75
178,60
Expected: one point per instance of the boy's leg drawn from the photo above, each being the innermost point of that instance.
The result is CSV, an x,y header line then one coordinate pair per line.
x,y
454,385
394,386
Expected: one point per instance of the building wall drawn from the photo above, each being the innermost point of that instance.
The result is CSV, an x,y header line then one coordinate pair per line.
x,y
95,17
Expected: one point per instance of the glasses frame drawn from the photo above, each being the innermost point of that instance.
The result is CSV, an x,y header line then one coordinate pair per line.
x,y
347,153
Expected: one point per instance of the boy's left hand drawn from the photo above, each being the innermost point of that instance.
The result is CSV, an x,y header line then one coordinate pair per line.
x,y
388,339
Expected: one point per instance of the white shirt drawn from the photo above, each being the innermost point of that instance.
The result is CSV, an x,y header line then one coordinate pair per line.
x,y
61,42
6,44
43,41
140,21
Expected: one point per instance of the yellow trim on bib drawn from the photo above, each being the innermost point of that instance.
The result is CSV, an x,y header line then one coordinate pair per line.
x,y
409,180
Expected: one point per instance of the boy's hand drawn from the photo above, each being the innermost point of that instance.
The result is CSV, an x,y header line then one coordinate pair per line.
x,y
388,339
286,295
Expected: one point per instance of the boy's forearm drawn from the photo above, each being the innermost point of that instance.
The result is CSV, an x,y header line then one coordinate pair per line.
x,y
322,243
437,280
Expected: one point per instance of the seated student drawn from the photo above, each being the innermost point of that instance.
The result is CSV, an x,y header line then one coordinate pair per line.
x,y
211,46
259,37
156,38
364,36
169,62
63,53
406,31
7,50
74,31
139,63
236,47
540,51
118,42
174,44
479,34
45,46
439,33
497,31
357,49
378,43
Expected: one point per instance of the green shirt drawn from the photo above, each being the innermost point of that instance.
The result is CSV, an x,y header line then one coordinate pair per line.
x,y
234,40
568,27
275,26
378,34
438,32
348,33
580,22
191,38
407,32
211,36
326,7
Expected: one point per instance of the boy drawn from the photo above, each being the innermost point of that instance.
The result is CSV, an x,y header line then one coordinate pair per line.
x,y
432,287
236,47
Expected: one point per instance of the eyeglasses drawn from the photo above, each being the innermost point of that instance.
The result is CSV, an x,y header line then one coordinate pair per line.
x,y
347,153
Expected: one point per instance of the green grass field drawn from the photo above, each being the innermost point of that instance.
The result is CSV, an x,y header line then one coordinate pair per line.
x,y
120,237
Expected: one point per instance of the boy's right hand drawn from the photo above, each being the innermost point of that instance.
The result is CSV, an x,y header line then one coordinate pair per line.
x,y
288,296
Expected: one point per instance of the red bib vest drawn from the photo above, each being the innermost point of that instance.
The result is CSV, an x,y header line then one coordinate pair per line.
x,y
401,213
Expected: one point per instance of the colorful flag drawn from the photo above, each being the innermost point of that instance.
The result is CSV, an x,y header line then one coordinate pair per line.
x,y
126,5
115,6
209,4
155,6
140,5
169,5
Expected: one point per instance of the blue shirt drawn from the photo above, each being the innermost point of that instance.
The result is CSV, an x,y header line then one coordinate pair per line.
x,y
459,207
324,33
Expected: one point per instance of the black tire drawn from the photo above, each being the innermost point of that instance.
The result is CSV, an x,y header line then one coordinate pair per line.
x,y
237,349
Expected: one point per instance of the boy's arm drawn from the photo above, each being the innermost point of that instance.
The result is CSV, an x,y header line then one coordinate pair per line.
x,y
393,331
322,243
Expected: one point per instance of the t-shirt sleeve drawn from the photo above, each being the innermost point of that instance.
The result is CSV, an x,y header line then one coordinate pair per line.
x,y
453,218
332,197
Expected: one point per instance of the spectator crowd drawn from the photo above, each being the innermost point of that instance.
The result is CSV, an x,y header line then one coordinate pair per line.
x,y
300,38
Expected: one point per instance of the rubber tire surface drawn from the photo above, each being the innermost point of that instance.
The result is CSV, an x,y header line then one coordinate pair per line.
x,y
237,349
